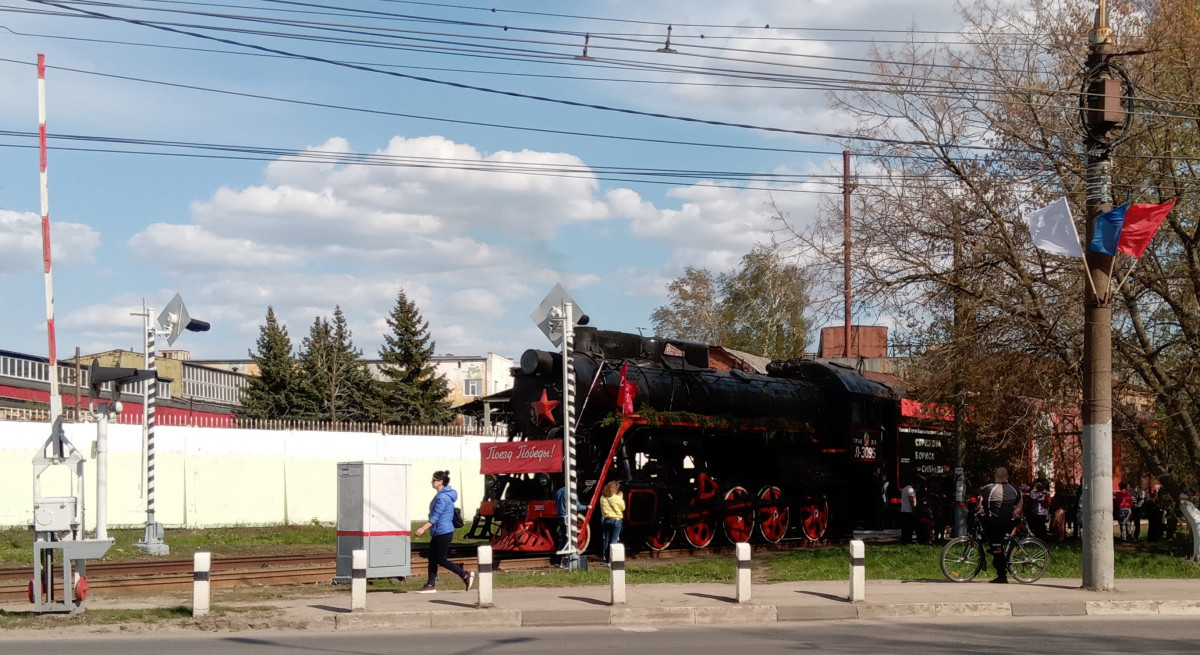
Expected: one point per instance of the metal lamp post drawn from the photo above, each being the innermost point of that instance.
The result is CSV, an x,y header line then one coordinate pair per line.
x,y
173,320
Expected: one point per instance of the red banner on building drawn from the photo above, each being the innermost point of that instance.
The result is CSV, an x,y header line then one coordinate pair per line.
x,y
521,457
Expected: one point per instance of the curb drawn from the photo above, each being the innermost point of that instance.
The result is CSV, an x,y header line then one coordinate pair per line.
x,y
746,614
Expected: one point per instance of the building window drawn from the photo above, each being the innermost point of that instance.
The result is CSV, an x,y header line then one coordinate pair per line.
x,y
473,387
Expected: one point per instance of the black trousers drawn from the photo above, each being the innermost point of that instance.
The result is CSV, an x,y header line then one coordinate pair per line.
x,y
439,555
906,527
996,530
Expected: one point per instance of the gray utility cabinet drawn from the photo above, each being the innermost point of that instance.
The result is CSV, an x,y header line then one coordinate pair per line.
x,y
373,516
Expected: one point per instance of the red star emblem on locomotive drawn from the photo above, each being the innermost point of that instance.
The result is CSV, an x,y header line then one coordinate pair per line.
x,y
544,408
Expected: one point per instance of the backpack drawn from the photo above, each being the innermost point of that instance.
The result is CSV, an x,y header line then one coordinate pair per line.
x,y
458,518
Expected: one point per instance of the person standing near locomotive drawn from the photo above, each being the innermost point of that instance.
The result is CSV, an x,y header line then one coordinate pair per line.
x,y
563,533
908,503
1040,503
999,507
1124,503
612,509
441,532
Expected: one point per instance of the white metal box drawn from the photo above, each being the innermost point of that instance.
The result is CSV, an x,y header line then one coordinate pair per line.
x,y
54,514
373,516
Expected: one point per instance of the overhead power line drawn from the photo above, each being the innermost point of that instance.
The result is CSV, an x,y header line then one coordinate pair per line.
x,y
513,94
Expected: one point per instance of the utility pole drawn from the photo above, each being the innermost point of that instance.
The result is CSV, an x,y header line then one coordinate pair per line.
x,y
959,333
847,187
1102,113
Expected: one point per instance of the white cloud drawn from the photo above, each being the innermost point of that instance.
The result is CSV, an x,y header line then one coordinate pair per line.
x,y
176,247
435,185
21,242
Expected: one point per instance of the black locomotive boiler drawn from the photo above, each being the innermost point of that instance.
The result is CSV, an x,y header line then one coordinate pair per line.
x,y
706,453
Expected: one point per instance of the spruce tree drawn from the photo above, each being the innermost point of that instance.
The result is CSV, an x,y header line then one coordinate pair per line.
x,y
271,394
335,384
411,392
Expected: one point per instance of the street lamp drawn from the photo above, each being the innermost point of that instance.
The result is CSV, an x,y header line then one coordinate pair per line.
x,y
171,322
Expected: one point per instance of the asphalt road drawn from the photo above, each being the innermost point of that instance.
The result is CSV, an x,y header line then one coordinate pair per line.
x,y
1058,635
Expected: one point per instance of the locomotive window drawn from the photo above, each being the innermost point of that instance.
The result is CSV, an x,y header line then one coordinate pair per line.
x,y
864,412
858,412
640,460
688,462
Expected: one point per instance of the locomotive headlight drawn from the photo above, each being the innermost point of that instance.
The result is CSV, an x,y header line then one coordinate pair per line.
x,y
536,362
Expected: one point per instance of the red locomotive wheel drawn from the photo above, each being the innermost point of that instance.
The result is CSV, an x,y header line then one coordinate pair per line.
x,y
701,525
814,517
706,486
661,538
739,515
772,514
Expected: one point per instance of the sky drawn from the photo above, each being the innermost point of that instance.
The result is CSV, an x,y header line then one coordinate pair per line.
x,y
313,155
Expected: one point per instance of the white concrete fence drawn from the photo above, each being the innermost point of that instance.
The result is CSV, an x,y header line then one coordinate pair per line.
x,y
209,477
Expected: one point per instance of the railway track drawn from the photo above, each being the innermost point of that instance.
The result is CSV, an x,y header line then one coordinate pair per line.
x,y
153,575
150,576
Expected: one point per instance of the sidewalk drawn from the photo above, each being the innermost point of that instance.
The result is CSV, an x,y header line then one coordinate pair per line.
x,y
707,604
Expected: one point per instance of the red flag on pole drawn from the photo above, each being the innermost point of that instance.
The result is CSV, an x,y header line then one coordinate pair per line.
x,y
1141,224
626,391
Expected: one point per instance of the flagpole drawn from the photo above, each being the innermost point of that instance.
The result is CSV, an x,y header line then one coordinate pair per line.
x,y
1122,282
1087,272
1112,265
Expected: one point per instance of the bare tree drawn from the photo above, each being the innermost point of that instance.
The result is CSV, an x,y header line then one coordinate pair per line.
x,y
955,143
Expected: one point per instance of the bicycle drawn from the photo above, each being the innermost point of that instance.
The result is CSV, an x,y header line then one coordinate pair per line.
x,y
1025,556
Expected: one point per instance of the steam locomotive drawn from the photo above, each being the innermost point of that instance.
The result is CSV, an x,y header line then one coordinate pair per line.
x,y
706,451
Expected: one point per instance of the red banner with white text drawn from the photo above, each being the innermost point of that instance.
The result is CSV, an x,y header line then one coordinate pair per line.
x,y
521,457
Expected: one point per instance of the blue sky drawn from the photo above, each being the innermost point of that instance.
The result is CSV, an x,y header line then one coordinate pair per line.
x,y
291,163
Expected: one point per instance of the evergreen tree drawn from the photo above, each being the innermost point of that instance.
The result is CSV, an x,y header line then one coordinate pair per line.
x,y
334,382
411,393
271,395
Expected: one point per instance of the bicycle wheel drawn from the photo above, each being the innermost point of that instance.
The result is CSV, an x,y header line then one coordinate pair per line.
x,y
1028,559
962,559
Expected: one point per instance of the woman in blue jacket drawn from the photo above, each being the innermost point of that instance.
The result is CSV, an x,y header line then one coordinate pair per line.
x,y
441,533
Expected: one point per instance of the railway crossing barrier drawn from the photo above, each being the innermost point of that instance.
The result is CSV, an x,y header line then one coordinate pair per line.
x,y
742,551
616,559
858,571
201,572
358,581
485,576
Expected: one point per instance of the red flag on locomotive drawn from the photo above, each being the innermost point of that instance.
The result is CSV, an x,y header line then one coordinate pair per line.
x,y
626,391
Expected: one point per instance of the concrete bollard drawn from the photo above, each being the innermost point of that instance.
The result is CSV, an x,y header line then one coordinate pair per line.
x,y
616,558
358,580
201,570
485,576
858,571
743,572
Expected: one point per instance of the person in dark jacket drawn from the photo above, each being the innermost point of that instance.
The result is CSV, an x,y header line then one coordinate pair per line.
x,y
441,532
562,531
999,508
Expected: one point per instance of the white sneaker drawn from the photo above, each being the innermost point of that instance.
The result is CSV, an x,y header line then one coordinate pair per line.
x,y
470,580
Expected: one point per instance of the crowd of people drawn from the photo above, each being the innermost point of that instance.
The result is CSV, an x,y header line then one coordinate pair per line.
x,y
927,510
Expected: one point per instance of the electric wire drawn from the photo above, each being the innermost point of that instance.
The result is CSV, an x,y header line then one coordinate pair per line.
x,y
827,84
515,94
650,43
